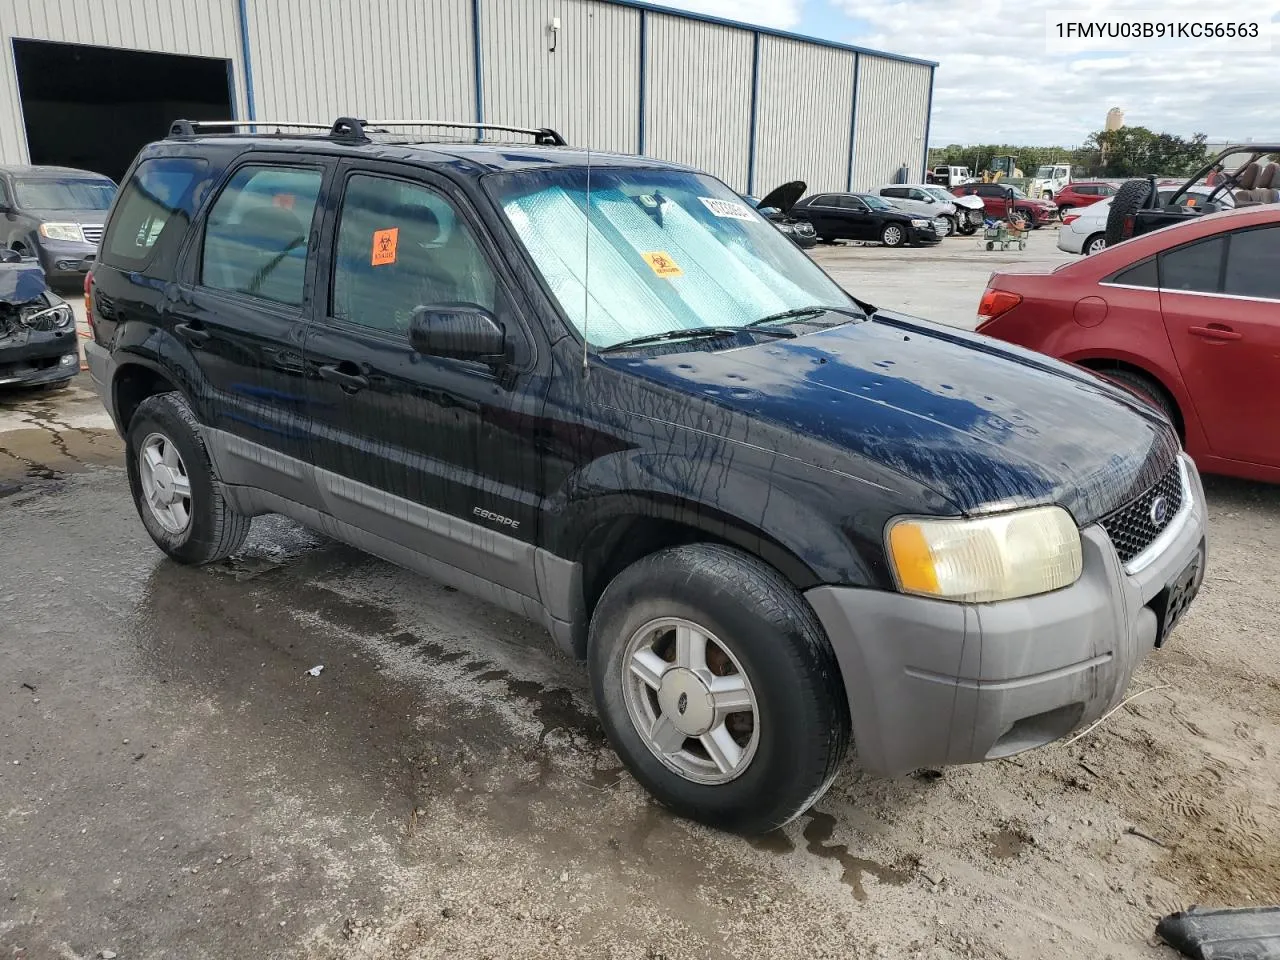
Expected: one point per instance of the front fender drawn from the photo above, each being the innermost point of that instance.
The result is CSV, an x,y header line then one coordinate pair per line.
x,y
787,513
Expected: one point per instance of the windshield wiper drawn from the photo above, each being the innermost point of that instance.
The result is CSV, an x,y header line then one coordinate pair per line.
x,y
799,312
692,333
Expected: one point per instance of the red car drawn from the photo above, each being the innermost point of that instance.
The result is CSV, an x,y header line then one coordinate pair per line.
x,y
1001,199
1187,316
1082,193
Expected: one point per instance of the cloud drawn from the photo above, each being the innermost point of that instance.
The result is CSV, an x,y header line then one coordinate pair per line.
x,y
997,84
781,14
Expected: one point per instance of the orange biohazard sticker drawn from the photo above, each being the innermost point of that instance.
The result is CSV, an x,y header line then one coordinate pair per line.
x,y
662,264
384,246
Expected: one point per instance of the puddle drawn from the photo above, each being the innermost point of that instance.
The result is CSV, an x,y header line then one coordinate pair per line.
x,y
816,834
1008,843
773,842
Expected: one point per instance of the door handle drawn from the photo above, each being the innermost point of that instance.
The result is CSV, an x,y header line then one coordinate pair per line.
x,y
350,382
193,335
1215,331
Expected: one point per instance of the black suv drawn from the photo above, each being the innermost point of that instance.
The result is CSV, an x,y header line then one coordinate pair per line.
x,y
603,392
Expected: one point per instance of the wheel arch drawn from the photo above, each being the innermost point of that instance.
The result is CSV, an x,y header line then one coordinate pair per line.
x,y
135,379
1103,362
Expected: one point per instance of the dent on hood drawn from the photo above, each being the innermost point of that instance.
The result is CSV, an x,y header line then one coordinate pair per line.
x,y
982,427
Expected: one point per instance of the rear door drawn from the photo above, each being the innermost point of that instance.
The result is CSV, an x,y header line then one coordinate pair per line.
x,y
1221,303
435,454
241,310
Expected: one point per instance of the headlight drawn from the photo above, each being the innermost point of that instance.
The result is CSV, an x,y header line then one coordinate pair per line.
x,y
920,223
985,559
62,231
785,227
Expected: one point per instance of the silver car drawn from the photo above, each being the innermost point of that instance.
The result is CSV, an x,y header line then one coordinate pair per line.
x,y
922,199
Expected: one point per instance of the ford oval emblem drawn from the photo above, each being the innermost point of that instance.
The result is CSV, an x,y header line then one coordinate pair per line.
x,y
1160,511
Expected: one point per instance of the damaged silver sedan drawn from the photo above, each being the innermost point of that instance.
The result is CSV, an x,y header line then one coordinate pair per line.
x,y
37,328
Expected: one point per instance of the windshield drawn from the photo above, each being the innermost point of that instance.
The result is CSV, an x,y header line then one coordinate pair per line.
x,y
1017,194
874,202
669,250
939,194
1044,173
42,194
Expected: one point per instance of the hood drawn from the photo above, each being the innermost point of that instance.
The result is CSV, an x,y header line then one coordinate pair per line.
x,y
21,282
980,423
969,202
89,217
783,198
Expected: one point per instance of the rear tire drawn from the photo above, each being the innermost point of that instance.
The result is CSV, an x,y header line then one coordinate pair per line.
x,y
1145,387
194,529
1129,199
743,627
1094,244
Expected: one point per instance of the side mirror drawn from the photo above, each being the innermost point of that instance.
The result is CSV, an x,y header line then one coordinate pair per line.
x,y
10,256
463,331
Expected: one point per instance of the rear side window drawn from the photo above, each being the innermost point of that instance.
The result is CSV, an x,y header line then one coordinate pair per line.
x,y
255,241
1139,275
1251,264
153,211
1196,267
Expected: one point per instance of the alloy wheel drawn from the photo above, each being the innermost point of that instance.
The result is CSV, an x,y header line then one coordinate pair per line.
x,y
166,488
690,700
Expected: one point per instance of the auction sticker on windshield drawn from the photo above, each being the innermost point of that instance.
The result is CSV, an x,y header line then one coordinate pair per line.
x,y
662,264
727,208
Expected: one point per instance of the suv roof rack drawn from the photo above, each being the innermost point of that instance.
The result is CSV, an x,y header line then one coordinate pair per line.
x,y
349,128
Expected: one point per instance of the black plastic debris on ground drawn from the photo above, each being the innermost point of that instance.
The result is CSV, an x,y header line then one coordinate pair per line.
x,y
1246,933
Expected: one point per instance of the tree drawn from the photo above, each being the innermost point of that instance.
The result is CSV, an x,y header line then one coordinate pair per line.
x,y
1137,151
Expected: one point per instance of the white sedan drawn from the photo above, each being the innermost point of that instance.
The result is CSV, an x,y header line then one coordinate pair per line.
x,y
1084,230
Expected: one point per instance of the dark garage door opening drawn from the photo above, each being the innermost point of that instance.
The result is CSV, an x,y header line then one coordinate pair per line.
x,y
94,107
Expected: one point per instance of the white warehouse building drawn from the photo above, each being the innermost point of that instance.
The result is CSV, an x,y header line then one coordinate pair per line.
x,y
85,83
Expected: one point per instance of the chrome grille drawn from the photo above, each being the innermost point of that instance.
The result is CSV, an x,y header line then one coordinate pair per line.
x,y
1131,528
92,232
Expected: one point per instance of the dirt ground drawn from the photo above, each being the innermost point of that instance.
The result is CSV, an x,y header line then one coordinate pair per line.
x,y
174,783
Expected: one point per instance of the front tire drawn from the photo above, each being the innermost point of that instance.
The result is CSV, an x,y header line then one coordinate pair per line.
x,y
718,688
893,235
174,487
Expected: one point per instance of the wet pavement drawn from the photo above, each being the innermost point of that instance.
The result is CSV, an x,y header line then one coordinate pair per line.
x,y
174,782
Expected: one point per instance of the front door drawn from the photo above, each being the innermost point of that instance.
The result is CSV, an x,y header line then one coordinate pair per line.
x,y
1221,303
858,222
434,454
241,311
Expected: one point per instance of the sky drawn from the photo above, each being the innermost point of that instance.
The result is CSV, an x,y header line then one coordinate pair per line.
x,y
996,83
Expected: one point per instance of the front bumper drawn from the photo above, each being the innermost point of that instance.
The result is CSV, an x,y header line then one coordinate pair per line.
x,y
931,682
41,357
66,259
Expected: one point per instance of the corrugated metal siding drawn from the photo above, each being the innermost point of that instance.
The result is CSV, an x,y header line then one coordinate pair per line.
x,y
893,111
315,60
206,28
698,96
527,85
802,121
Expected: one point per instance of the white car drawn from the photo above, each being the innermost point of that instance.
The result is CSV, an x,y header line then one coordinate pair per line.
x,y
1084,230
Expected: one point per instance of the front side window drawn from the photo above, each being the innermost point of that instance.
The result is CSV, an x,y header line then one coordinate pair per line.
x,y
668,250
402,246
255,241
1195,267
80,193
1251,264
155,210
